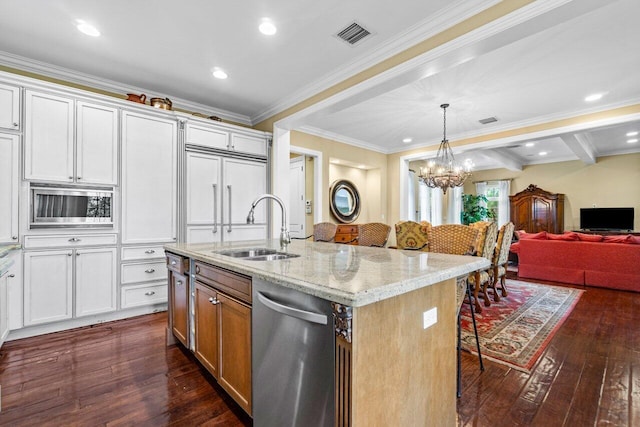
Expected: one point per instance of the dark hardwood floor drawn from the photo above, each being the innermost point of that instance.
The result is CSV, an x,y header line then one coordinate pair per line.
x,y
121,373
115,374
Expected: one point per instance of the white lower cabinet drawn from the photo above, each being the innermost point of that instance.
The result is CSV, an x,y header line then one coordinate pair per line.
x,y
4,308
143,276
14,290
49,284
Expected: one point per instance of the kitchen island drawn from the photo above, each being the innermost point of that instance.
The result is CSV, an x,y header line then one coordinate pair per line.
x,y
393,324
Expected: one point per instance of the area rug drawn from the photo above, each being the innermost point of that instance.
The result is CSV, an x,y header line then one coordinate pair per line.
x,y
516,330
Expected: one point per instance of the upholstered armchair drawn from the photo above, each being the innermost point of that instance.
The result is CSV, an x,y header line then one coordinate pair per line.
x,y
373,234
412,235
500,260
485,246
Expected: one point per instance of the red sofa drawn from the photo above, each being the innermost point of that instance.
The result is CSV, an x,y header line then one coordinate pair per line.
x,y
570,260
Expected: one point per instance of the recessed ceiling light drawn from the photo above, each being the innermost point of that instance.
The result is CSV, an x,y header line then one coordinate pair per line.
x,y
267,27
86,28
542,153
632,141
594,97
219,73
407,140
529,144
634,133
361,166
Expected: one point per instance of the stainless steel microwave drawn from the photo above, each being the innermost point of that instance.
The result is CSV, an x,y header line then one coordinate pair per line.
x,y
58,206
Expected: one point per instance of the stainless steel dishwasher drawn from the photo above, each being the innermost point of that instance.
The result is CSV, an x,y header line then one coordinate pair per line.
x,y
293,358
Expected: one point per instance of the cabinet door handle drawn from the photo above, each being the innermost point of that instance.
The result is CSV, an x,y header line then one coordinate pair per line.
x,y
150,270
15,125
75,239
150,251
173,263
79,178
214,301
149,293
77,253
14,237
179,283
197,269
11,276
215,208
229,187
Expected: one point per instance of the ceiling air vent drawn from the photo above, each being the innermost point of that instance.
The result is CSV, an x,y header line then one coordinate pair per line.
x,y
353,33
488,120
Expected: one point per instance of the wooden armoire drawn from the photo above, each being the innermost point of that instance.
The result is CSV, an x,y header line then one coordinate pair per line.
x,y
534,210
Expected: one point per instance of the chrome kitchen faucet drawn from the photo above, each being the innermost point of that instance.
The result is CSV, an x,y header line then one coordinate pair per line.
x,y
285,239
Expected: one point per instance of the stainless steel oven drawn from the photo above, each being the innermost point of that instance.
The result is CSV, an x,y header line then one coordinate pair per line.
x,y
57,206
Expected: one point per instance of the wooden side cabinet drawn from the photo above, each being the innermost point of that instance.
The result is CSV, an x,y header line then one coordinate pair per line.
x,y
178,268
534,210
223,329
347,233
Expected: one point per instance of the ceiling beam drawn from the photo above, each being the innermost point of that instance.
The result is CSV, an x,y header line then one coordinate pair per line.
x,y
581,145
505,161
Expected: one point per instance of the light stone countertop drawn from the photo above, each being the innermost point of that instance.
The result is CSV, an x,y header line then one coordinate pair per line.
x,y
351,275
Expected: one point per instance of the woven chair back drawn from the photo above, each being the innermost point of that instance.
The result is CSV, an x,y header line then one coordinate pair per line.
x,y
373,234
454,239
486,240
324,232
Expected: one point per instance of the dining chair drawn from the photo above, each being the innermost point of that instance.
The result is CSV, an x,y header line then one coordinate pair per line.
x,y
485,247
412,235
500,260
453,239
324,232
373,234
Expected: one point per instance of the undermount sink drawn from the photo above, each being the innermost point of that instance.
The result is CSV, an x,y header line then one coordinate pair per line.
x,y
257,254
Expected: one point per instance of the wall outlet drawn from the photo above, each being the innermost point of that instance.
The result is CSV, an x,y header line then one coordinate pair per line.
x,y
429,317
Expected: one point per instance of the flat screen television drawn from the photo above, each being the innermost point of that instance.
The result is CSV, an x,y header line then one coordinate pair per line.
x,y
606,218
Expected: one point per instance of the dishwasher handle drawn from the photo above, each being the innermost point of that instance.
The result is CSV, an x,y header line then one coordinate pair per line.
x,y
293,312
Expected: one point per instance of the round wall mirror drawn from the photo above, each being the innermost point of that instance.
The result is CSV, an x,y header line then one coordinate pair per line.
x,y
344,201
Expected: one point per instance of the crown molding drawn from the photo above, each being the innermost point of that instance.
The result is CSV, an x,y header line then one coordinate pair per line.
x,y
423,30
53,71
311,130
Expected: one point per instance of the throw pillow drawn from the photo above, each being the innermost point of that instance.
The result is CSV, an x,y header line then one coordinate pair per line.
x,y
616,239
635,240
569,235
534,236
589,237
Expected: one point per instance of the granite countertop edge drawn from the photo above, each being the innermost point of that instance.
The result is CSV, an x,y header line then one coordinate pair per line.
x,y
316,286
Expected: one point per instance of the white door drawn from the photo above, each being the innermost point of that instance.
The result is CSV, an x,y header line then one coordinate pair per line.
x,y
97,144
296,197
9,187
95,290
203,197
149,151
48,286
9,107
243,182
48,137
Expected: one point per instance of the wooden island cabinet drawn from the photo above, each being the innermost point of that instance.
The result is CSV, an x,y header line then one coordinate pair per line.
x,y
392,361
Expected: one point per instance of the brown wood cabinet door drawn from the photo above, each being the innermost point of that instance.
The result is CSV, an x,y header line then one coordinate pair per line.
x,y
544,217
206,327
180,307
235,350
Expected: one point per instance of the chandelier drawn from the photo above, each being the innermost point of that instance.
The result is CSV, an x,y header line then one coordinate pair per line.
x,y
445,172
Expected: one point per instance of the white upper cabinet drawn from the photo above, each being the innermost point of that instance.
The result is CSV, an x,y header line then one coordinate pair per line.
x,y
55,150
249,144
9,187
96,144
207,136
48,137
149,178
9,107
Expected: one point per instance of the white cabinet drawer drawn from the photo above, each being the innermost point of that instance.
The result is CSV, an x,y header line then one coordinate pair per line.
x,y
69,240
138,295
144,272
142,252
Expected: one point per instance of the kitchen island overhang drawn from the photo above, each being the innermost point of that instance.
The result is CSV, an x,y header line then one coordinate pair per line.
x,y
391,365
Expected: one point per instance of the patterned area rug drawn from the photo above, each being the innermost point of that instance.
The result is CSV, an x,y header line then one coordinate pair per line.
x,y
516,330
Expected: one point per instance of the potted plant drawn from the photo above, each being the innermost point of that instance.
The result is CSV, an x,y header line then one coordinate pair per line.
x,y
474,209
